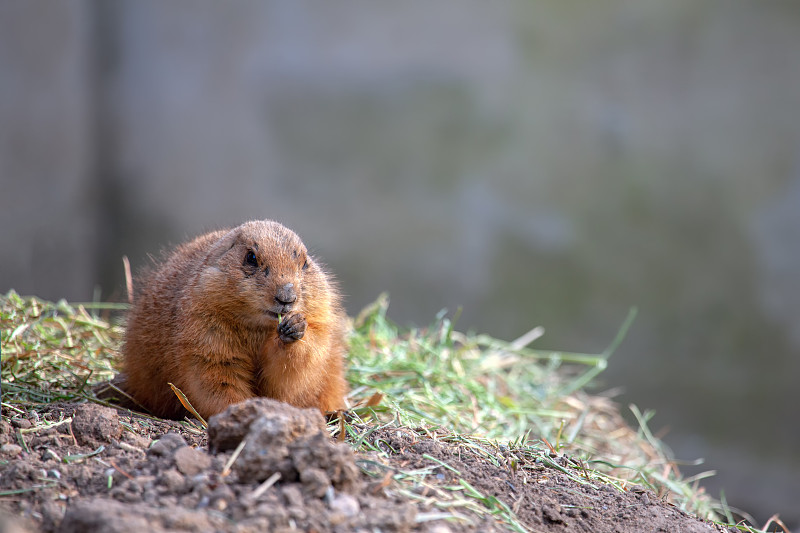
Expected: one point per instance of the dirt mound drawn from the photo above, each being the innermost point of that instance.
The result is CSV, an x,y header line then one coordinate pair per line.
x,y
312,482
544,499
267,466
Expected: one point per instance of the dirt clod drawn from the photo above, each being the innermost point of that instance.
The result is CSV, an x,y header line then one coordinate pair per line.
x,y
345,504
227,429
94,425
191,461
166,445
21,423
102,515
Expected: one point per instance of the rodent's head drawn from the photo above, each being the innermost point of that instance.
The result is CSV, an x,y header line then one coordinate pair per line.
x,y
263,270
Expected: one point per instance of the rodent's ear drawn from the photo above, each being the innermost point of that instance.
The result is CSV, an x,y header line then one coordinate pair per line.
x,y
219,248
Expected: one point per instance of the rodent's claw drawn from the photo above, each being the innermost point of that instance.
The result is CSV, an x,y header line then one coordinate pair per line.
x,y
292,328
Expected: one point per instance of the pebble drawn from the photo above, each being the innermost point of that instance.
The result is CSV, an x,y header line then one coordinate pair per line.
x,y
10,449
293,496
166,444
345,504
21,423
172,479
221,497
316,481
137,441
129,448
191,461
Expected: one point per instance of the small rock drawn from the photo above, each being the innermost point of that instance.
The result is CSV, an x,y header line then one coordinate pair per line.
x,y
293,496
221,497
10,449
172,479
137,441
552,513
345,504
191,461
200,484
48,454
167,444
21,423
94,425
316,481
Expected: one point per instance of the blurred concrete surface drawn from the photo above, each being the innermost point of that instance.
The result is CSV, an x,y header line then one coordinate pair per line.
x,y
536,163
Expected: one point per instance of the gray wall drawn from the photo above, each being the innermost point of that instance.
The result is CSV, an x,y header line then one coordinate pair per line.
x,y
536,163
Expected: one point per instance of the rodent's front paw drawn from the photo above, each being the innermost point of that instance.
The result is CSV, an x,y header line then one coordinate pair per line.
x,y
292,328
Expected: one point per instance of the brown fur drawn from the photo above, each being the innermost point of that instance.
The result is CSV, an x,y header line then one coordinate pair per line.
x,y
206,320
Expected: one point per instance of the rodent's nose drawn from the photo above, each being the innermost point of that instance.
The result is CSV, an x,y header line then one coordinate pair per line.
x,y
286,294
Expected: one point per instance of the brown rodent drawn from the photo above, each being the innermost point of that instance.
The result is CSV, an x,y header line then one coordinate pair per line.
x,y
232,315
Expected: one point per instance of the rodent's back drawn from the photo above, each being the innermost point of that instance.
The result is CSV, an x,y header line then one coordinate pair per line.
x,y
151,350
207,320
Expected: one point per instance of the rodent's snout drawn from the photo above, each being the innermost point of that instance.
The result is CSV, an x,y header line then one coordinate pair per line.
x,y
286,295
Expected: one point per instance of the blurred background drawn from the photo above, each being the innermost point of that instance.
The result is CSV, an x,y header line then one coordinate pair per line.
x,y
534,163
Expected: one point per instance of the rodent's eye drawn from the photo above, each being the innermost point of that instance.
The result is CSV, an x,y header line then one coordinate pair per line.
x,y
305,264
250,258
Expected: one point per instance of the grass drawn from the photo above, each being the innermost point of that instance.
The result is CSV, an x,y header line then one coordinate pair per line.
x,y
503,400
54,352
506,398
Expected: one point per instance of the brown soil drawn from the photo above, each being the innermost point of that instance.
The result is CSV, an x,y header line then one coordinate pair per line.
x,y
104,470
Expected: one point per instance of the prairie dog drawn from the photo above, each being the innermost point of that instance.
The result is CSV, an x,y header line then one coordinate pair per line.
x,y
235,314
